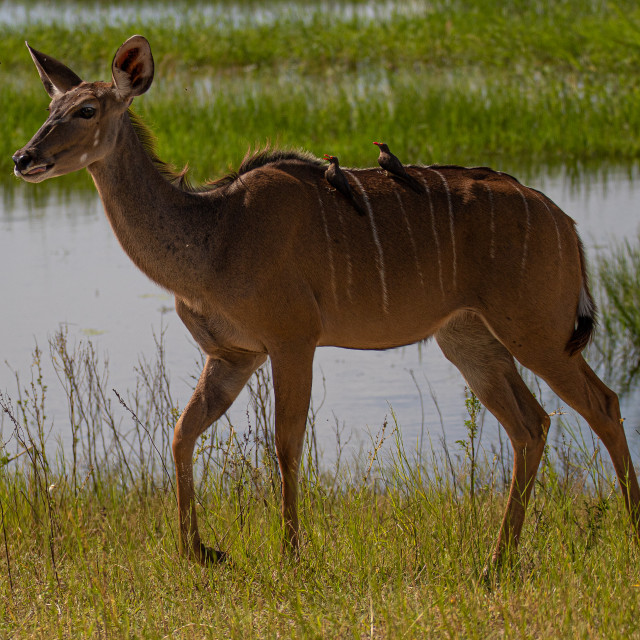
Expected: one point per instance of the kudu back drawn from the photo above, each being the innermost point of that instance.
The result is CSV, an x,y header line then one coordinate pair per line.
x,y
272,261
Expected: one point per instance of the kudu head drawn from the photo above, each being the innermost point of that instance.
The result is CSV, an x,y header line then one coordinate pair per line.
x,y
84,117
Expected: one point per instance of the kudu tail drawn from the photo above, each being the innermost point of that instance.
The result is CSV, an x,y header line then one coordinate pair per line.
x,y
586,312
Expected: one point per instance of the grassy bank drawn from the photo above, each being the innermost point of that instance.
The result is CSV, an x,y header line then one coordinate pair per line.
x,y
470,83
393,545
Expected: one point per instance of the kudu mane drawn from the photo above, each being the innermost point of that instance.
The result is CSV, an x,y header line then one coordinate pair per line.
x,y
264,156
252,160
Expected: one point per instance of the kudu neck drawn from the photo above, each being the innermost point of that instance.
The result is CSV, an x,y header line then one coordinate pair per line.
x,y
156,223
128,175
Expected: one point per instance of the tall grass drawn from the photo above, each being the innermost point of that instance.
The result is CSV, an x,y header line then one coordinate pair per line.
x,y
470,83
569,35
618,344
391,546
425,117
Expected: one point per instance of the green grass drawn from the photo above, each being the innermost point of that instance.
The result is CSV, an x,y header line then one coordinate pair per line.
x,y
618,343
392,546
569,34
372,565
462,82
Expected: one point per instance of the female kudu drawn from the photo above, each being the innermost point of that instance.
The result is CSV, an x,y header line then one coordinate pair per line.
x,y
277,263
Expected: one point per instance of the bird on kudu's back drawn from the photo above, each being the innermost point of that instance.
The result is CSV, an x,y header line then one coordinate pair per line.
x,y
336,178
392,165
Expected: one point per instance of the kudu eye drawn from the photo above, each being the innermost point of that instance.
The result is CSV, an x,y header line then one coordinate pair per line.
x,y
86,112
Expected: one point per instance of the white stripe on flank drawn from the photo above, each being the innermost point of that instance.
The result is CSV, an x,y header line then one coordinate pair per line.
x,y
492,248
345,252
435,233
380,256
453,238
332,267
525,247
542,199
411,238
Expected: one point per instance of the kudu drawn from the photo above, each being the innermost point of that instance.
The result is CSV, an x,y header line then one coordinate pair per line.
x,y
272,261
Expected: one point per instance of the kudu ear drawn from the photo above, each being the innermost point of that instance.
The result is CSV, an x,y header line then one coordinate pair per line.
x,y
132,68
56,77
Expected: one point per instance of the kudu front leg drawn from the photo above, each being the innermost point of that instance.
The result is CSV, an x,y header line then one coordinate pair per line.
x,y
292,375
220,382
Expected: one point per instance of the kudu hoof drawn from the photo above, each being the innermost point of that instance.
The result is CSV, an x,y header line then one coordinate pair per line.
x,y
207,556
490,575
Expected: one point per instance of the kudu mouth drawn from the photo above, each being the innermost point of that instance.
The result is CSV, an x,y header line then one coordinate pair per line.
x,y
30,168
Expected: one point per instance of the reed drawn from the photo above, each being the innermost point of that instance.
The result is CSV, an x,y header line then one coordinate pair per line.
x,y
568,35
618,344
518,127
470,83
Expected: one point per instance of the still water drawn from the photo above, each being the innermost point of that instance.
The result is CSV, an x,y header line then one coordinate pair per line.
x,y
61,264
206,14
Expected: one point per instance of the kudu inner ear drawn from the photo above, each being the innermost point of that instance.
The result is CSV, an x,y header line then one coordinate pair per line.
x,y
132,68
56,77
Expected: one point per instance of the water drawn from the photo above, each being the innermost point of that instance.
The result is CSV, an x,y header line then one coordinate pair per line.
x,y
61,264
74,14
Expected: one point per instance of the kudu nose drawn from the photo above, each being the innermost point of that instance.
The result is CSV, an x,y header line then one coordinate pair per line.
x,y
21,160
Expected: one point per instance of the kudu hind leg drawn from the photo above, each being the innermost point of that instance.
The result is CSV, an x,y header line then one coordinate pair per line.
x,y
575,382
490,371
219,384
